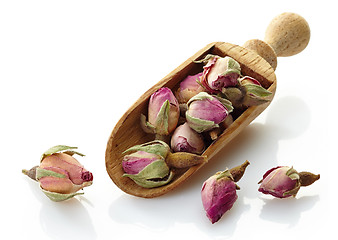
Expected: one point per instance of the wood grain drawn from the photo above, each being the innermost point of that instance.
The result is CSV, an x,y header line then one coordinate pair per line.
x,y
128,132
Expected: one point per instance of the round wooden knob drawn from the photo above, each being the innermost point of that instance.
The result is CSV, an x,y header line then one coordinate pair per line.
x,y
286,35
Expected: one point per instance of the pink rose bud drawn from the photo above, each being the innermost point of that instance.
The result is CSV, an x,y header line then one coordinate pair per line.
x,y
219,192
163,112
189,87
60,175
185,139
148,169
205,112
220,73
283,182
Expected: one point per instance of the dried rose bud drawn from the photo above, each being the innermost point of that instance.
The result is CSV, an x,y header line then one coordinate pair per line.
x,y
185,139
148,170
220,73
205,112
283,182
189,87
219,192
60,175
248,92
163,112
253,92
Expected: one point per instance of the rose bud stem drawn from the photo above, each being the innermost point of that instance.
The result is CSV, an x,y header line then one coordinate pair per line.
x,y
237,172
214,133
307,178
30,173
184,159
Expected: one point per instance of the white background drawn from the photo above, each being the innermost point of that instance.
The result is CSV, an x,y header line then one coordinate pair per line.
x,y
70,69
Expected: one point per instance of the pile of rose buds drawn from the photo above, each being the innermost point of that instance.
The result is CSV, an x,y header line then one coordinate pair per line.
x,y
192,118
185,123
60,175
183,126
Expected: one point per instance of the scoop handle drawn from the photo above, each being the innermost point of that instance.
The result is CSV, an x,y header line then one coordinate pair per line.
x,y
286,35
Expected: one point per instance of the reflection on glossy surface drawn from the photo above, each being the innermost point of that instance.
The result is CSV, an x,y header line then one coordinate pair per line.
x,y
164,213
287,211
66,220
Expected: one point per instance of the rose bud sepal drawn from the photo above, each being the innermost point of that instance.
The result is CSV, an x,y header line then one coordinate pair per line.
x,y
235,95
148,170
156,147
59,197
61,148
254,93
155,174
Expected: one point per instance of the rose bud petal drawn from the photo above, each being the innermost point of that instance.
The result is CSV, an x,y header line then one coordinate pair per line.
x,y
249,80
205,112
148,170
163,112
60,175
219,191
220,73
283,182
185,139
189,87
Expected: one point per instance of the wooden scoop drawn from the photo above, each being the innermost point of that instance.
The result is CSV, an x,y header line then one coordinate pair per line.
x,y
286,35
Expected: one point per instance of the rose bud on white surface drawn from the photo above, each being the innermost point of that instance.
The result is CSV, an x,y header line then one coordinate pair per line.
x,y
219,192
283,182
60,175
